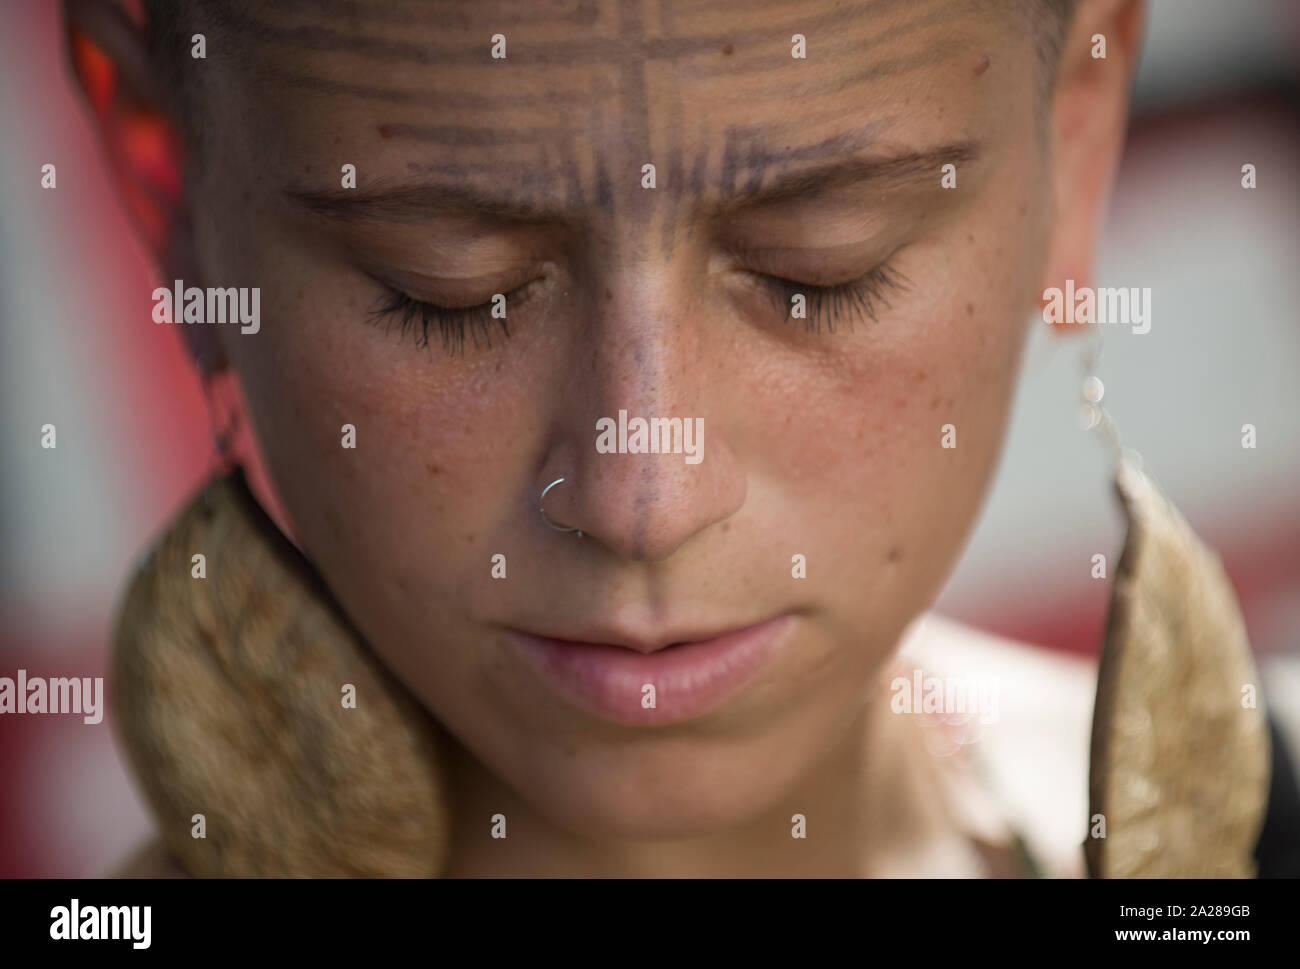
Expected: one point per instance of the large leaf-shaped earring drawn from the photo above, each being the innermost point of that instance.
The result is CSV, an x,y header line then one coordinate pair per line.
x,y
267,737
1180,761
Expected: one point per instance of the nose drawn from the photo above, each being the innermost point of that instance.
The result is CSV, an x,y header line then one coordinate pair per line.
x,y
646,435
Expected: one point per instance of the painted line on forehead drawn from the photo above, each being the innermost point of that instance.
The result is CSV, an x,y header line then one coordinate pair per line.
x,y
531,183
430,98
463,169
602,92
536,183
465,136
632,31
681,185
834,22
695,184
676,177
748,60
635,102
923,60
666,16
593,49
405,14
604,188
633,90
501,199
758,160
571,170
605,197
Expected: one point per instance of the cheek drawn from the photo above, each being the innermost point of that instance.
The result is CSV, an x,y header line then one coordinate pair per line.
x,y
396,523
866,447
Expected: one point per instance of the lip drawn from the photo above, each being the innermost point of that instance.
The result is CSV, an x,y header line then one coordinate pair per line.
x,y
691,678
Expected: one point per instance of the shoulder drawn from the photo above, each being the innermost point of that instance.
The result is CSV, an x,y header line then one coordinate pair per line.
x,y
1036,750
1034,747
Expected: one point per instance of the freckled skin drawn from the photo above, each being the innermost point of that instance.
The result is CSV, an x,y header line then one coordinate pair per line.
x,y
825,445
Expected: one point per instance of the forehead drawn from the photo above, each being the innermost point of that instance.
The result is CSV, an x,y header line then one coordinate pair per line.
x,y
589,91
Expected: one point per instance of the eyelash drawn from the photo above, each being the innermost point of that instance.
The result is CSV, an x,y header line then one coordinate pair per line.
x,y
857,296
453,322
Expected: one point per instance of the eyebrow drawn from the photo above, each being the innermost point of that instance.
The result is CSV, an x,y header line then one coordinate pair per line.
x,y
418,202
888,169
430,200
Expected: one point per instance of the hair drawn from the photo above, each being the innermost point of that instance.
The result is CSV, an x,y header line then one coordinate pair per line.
x,y
1052,21
168,28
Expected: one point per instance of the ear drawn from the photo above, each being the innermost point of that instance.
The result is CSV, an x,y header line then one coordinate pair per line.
x,y
1088,119
139,126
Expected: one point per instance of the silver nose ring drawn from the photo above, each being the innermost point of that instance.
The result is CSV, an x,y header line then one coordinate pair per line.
x,y
542,511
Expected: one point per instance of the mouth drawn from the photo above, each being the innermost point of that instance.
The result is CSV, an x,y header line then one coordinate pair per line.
x,y
649,681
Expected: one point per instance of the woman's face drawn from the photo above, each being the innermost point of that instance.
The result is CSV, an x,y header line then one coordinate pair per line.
x,y
822,436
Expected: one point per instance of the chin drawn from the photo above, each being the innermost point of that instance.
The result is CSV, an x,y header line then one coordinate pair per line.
x,y
689,789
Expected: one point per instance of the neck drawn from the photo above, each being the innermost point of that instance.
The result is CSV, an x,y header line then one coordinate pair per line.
x,y
870,794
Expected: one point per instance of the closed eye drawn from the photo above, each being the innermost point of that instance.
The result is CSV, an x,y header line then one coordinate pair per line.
x,y
453,324
859,298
